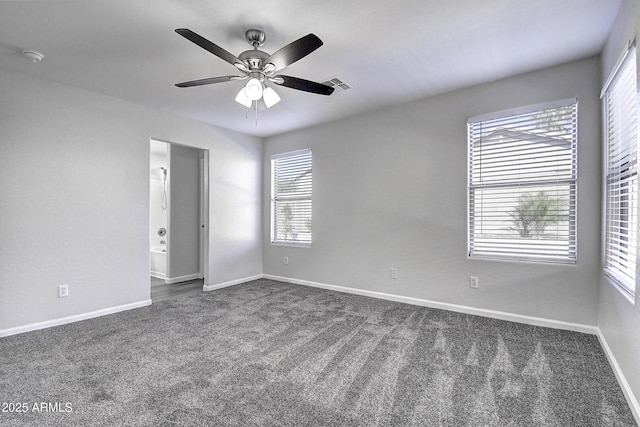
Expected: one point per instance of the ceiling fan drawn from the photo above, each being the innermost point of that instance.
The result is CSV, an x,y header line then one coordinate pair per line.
x,y
260,67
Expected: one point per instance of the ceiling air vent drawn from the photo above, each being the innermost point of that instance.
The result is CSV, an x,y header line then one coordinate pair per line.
x,y
337,83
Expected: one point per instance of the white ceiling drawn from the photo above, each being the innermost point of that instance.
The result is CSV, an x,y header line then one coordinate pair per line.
x,y
390,52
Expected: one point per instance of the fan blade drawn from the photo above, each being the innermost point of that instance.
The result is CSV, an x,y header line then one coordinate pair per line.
x,y
302,84
209,81
294,51
209,46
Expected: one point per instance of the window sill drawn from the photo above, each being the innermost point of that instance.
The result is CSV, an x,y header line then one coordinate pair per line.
x,y
547,261
615,283
292,244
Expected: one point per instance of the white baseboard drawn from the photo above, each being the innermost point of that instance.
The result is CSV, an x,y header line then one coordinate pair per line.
x,y
232,283
626,389
71,319
178,279
501,315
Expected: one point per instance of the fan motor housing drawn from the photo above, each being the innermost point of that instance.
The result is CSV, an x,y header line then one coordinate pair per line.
x,y
254,58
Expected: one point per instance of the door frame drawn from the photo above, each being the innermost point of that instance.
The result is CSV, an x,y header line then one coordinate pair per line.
x,y
204,214
203,243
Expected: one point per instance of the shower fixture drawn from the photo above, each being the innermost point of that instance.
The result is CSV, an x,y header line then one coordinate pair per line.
x,y
164,189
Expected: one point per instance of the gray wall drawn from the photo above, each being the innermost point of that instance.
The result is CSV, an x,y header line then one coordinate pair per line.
x,y
618,318
184,211
389,190
74,181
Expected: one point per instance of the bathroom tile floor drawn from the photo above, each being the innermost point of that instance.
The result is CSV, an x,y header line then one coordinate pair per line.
x,y
161,291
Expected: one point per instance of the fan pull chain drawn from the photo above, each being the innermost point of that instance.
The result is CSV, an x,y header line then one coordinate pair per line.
x,y
256,113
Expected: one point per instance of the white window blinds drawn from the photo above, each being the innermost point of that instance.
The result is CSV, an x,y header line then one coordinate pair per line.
x,y
291,181
621,134
522,183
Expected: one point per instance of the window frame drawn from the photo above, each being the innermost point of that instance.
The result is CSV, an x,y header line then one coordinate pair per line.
x,y
622,274
297,156
502,250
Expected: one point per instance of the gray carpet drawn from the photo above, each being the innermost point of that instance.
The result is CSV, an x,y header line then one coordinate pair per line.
x,y
268,353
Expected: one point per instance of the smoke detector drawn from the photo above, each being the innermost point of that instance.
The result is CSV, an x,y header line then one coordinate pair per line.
x,y
33,55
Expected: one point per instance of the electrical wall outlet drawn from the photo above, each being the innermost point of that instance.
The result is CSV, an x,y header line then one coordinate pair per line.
x,y
394,273
286,260
473,282
63,291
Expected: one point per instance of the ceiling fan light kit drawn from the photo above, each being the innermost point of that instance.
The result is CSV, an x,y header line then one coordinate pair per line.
x,y
243,99
270,97
260,67
254,89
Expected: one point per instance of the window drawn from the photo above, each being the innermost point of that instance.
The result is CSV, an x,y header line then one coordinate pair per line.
x,y
621,158
522,184
291,198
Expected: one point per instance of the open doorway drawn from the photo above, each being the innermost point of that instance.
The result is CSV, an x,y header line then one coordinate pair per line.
x,y
178,219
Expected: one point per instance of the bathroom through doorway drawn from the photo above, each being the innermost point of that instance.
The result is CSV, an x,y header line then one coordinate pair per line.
x,y
178,214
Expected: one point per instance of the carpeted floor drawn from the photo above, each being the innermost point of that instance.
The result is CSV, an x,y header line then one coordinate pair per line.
x,y
268,353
